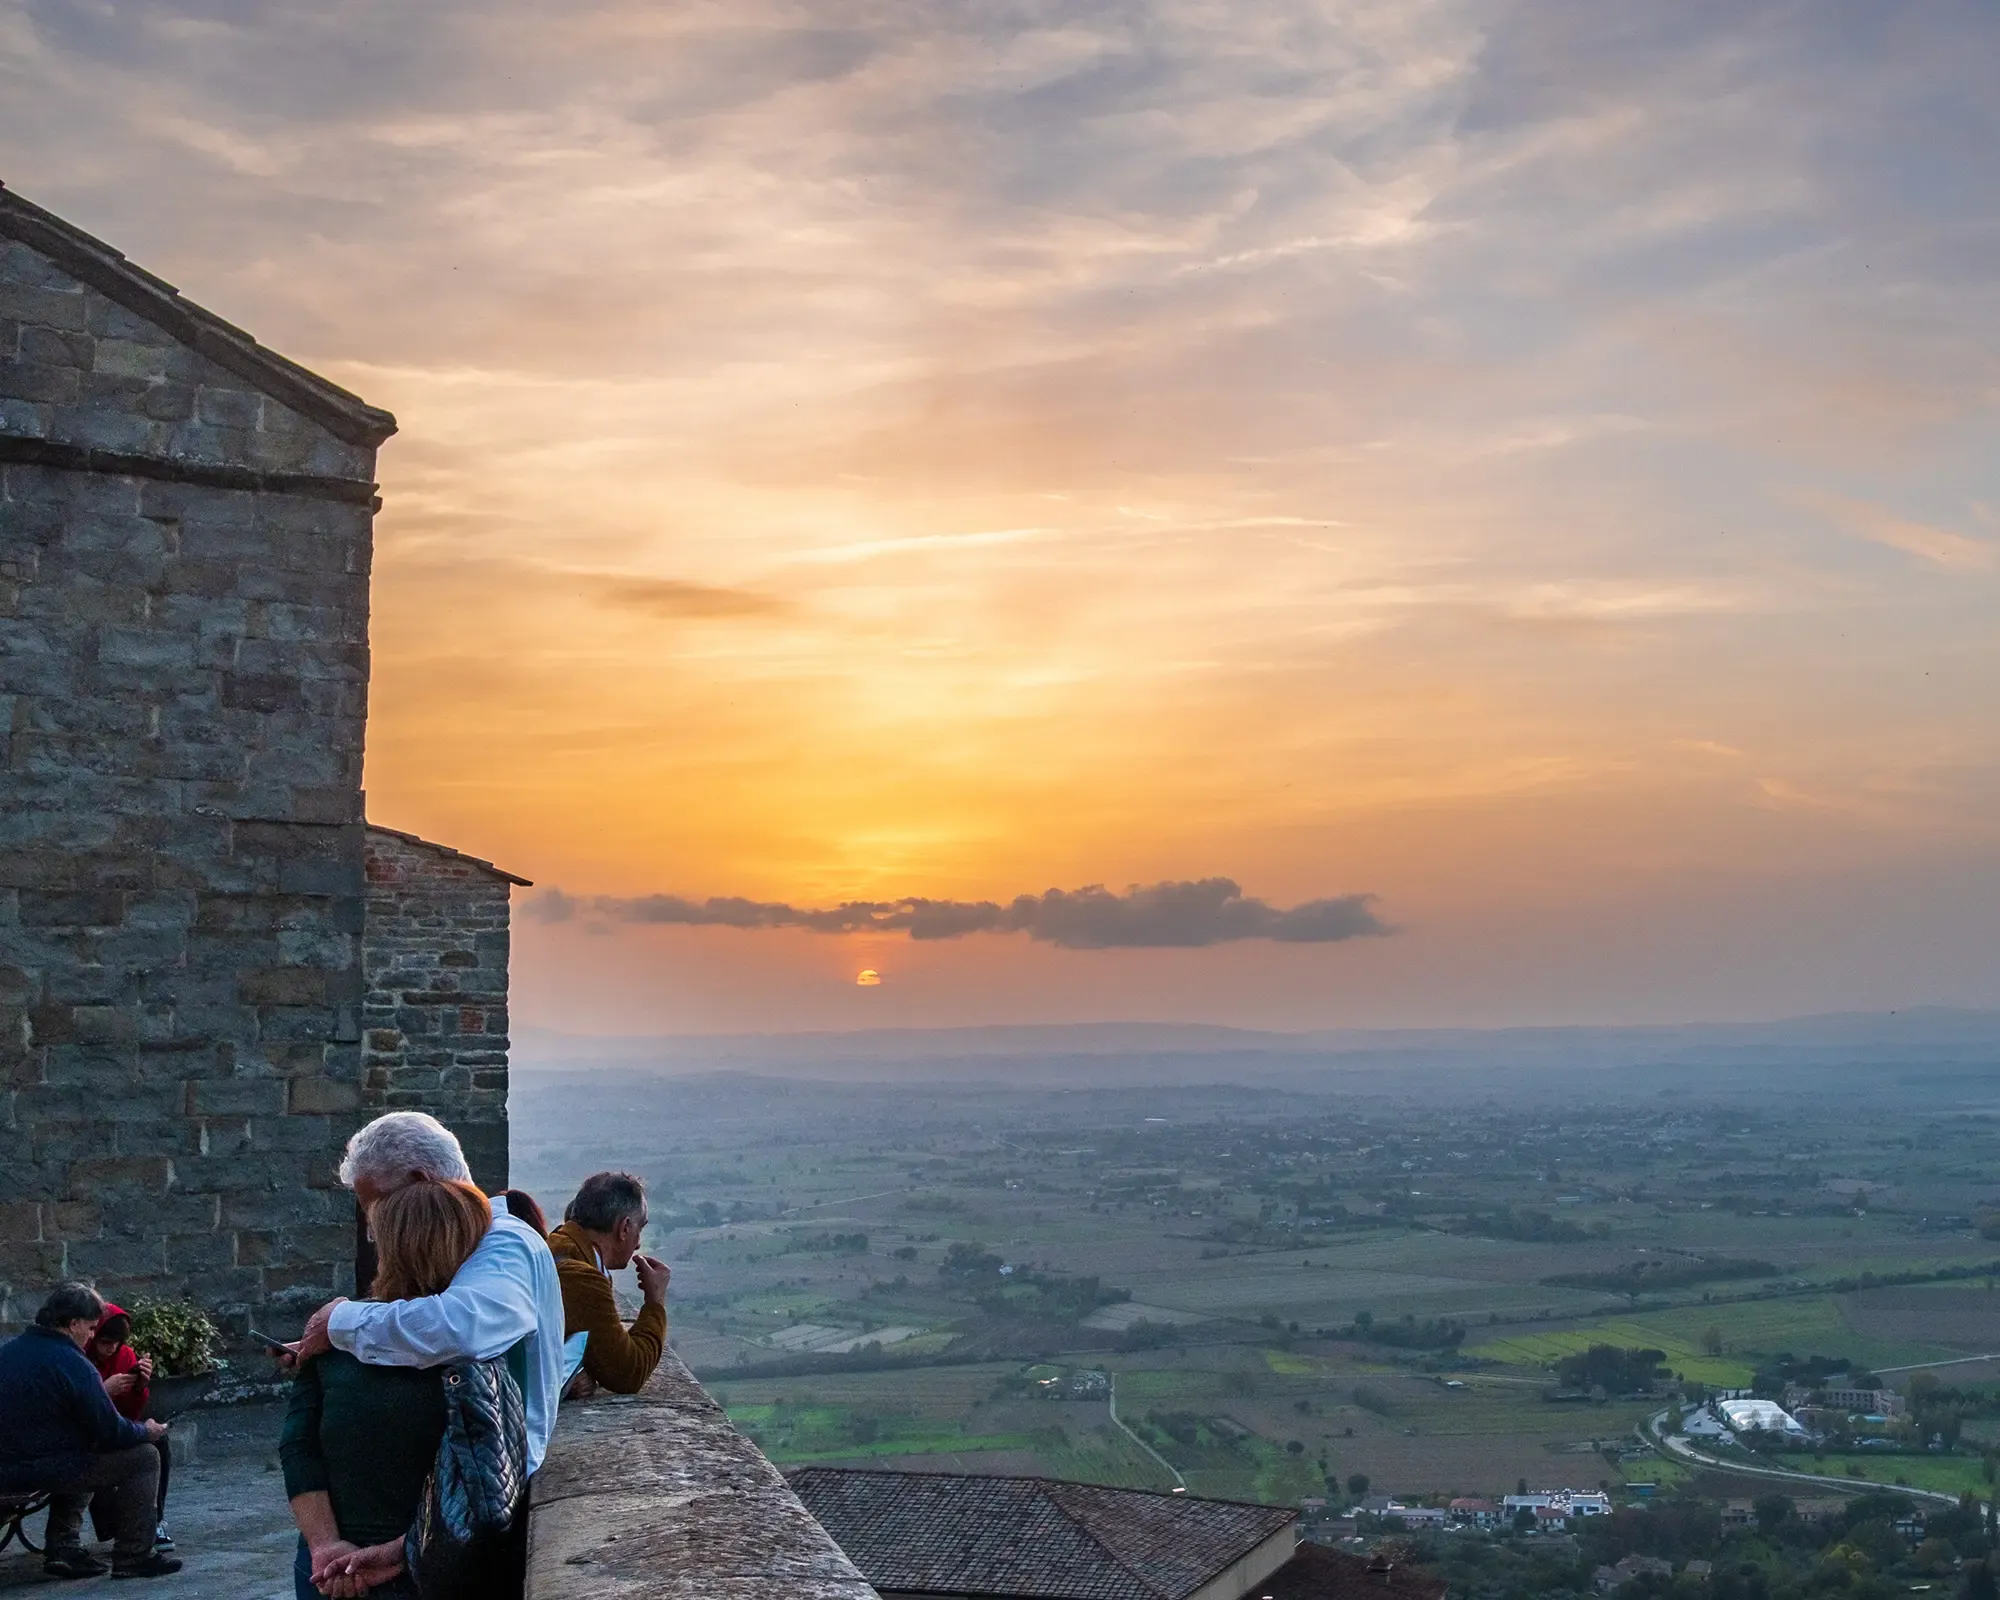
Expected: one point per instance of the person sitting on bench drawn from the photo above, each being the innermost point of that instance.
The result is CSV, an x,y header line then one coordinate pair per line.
x,y
59,1431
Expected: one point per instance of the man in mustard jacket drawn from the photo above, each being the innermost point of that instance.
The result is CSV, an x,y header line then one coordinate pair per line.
x,y
600,1234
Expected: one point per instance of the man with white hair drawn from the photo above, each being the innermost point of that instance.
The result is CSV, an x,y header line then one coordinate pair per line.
x,y
506,1294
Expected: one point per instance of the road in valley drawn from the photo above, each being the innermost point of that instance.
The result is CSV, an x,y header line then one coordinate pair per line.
x,y
1679,1448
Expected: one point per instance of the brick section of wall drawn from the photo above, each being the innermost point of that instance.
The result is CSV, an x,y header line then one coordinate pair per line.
x,y
434,959
183,690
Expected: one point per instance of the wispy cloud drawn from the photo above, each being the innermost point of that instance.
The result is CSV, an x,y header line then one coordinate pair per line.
x,y
676,597
1182,915
1942,548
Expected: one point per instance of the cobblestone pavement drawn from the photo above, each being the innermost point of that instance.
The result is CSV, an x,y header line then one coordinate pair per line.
x,y
228,1515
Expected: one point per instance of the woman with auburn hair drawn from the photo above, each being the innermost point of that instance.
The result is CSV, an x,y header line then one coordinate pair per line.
x,y
359,1441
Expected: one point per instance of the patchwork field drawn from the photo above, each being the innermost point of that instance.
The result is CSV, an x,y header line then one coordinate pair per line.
x,y
1010,1231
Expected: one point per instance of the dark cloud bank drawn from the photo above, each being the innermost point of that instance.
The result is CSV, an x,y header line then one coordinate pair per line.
x,y
1150,916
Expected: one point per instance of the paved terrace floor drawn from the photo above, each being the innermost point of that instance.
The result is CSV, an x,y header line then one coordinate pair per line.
x,y
227,1511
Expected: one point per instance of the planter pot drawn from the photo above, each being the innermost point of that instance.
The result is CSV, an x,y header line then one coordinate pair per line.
x,y
172,1396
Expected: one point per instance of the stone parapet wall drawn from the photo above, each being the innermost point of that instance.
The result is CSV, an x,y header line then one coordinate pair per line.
x,y
435,1004
655,1495
183,688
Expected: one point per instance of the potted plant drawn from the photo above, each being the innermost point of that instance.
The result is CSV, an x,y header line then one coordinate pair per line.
x,y
182,1341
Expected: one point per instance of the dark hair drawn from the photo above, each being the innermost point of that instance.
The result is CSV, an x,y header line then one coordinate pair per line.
x,y
523,1205
71,1302
605,1200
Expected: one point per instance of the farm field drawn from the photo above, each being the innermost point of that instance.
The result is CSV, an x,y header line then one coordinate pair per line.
x,y
1291,1289
1877,1327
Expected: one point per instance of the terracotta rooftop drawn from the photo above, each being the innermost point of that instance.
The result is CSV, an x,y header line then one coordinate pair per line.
x,y
92,261
945,1534
456,855
1319,1572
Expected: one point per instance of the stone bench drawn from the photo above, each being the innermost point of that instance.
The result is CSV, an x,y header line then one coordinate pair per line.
x,y
656,1495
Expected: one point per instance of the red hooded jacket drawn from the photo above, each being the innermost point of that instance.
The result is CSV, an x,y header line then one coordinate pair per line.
x,y
123,1359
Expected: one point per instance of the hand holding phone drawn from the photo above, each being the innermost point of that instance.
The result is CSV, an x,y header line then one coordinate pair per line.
x,y
287,1353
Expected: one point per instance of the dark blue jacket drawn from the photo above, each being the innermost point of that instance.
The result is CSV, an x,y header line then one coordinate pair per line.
x,y
54,1413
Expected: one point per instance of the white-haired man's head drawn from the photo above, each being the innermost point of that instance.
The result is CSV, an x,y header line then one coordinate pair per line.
x,y
398,1149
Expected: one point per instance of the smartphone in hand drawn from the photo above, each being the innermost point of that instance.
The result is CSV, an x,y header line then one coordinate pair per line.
x,y
277,1347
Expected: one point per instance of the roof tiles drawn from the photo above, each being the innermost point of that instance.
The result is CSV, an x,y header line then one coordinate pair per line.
x,y
944,1533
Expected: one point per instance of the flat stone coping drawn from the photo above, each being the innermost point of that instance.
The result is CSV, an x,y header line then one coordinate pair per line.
x,y
656,1495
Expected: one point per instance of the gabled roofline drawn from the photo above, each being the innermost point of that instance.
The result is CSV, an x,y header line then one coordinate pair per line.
x,y
456,855
346,416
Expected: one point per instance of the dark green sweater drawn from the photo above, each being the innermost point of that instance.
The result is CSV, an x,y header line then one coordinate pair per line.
x,y
366,1435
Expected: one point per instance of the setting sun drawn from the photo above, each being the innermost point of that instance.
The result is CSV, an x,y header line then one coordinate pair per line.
x,y
867,978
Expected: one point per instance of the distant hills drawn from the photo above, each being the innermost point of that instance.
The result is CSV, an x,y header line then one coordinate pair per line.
x,y
1953,1055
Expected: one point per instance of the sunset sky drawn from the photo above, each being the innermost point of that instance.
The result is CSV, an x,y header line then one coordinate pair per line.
x,y
1534,464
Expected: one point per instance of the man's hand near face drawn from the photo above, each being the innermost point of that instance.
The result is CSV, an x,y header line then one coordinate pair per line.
x,y
652,1274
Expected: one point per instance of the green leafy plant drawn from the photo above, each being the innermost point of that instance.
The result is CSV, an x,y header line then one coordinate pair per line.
x,y
178,1335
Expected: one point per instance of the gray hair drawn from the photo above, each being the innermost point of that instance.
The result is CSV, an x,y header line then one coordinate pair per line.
x,y
392,1148
605,1200
70,1302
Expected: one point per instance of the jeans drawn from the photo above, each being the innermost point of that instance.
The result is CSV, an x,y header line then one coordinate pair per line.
x,y
397,1588
127,1483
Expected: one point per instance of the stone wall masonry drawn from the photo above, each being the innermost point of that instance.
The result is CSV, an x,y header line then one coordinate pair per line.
x,y
435,1006
183,692
655,1495
79,368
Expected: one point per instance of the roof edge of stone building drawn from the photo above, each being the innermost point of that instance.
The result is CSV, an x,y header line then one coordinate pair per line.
x,y
346,416
456,855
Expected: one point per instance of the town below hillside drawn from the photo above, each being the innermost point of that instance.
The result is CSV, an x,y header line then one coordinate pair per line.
x,y
1555,1341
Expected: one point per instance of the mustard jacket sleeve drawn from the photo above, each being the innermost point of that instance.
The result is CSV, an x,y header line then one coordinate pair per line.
x,y
617,1358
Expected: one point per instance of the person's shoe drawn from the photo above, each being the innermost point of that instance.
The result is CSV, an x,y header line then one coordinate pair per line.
x,y
154,1566
163,1541
73,1563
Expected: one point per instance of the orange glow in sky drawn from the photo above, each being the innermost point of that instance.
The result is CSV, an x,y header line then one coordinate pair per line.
x,y
1533,468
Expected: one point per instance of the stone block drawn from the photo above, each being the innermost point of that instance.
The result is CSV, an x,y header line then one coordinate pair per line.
x,y
34,305
322,1096
27,1262
232,1173
283,986
21,1222
73,1219
130,358
200,1254
46,910
145,648
311,1283
228,408
242,1097
115,1258
27,380
222,1136
286,1207
302,1134
122,1176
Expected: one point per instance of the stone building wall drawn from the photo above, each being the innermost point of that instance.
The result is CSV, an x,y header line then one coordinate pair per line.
x,y
185,539
434,1011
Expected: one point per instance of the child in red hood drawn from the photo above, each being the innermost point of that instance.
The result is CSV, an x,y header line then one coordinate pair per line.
x,y
128,1380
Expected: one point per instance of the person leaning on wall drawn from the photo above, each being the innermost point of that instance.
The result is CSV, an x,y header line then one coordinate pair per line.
x,y
600,1235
